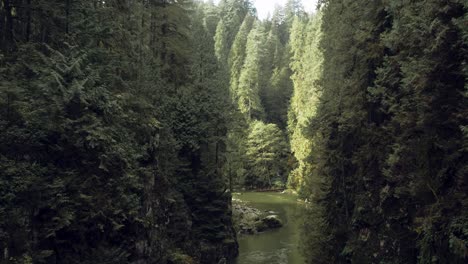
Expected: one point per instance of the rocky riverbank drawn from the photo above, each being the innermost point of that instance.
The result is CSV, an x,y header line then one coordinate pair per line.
x,y
249,220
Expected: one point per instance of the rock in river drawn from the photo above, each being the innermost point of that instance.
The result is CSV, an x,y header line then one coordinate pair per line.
x,y
249,220
272,221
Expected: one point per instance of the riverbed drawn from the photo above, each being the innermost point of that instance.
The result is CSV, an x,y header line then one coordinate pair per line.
x,y
278,246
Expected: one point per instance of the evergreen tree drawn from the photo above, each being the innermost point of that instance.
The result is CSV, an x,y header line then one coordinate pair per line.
x,y
248,91
79,165
95,127
293,9
221,49
266,150
125,126
390,148
237,55
276,84
306,64
233,13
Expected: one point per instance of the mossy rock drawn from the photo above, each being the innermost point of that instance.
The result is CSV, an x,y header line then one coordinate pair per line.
x,y
180,258
272,221
260,226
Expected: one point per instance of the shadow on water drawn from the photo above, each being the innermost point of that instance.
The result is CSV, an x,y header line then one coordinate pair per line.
x,y
277,246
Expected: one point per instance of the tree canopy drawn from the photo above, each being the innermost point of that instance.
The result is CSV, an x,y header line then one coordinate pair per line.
x,y
126,125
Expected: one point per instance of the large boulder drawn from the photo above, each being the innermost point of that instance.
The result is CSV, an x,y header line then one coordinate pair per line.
x,y
249,220
245,217
272,221
260,226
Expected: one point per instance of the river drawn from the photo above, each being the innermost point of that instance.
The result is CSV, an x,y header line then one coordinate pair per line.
x,y
278,246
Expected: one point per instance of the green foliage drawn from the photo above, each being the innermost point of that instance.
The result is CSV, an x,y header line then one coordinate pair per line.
x,y
275,77
221,50
103,112
247,93
306,64
122,122
266,151
236,160
66,155
260,88
233,13
388,146
237,55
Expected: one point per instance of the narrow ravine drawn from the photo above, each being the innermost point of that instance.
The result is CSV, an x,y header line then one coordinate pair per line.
x,y
276,246
130,131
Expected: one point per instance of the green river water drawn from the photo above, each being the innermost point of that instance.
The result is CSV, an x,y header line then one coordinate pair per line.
x,y
278,246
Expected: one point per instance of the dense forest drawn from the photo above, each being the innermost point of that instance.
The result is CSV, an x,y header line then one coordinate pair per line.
x,y
126,125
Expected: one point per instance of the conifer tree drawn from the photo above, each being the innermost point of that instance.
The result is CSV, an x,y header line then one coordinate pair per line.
x,y
266,150
221,45
237,55
248,91
95,134
389,139
306,64
233,13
